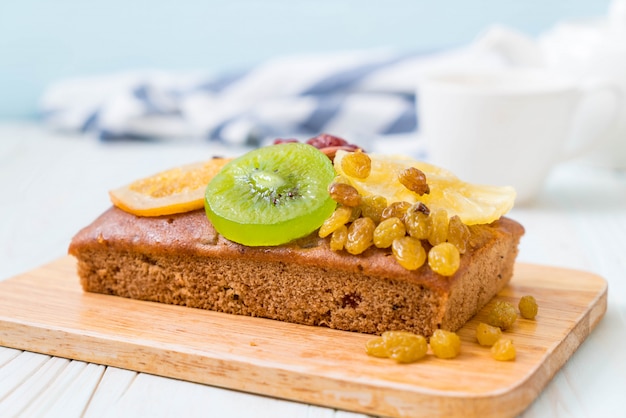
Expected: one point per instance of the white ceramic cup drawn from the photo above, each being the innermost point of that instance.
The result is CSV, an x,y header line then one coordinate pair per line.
x,y
507,127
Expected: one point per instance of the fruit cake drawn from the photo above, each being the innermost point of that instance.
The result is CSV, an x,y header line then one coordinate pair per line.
x,y
348,259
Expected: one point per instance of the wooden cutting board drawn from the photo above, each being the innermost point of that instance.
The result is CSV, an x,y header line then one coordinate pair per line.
x,y
46,311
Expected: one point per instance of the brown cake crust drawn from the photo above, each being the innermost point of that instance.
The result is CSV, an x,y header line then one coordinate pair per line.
x,y
181,259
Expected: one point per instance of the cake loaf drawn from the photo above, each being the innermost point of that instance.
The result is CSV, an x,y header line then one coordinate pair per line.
x,y
180,259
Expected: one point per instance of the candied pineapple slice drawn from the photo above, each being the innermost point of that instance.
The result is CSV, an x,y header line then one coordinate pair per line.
x,y
177,190
473,204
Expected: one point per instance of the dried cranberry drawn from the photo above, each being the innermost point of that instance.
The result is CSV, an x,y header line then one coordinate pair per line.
x,y
284,141
326,140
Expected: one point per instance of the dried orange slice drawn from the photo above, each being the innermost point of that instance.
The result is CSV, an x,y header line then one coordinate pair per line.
x,y
177,190
474,204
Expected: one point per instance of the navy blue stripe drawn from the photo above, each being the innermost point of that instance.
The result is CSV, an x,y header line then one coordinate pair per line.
x,y
409,97
253,137
142,94
405,122
345,79
216,133
326,109
110,136
91,122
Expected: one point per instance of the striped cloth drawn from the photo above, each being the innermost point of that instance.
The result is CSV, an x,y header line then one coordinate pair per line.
x,y
358,94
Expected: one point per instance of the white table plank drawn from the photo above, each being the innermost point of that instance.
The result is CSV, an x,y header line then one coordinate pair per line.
x,y
143,398
8,354
68,393
30,390
19,371
111,388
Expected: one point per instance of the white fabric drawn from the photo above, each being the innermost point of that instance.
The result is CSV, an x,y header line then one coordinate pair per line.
x,y
368,93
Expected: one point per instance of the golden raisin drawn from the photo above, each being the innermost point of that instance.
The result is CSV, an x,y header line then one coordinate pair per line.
x,y
414,180
502,315
356,213
503,350
401,346
344,194
360,235
387,231
341,179
438,227
376,347
357,164
339,217
458,234
444,259
420,207
408,252
395,210
487,335
405,347
338,238
445,344
373,206
417,224
528,307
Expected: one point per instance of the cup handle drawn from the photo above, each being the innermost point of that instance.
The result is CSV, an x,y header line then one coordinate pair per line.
x,y
591,140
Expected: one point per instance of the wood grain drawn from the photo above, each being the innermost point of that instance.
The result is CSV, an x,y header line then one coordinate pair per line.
x,y
46,311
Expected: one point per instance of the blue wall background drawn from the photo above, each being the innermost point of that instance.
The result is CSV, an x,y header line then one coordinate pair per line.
x,y
42,40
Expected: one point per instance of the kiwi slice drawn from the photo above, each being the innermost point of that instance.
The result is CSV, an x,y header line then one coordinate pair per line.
x,y
271,195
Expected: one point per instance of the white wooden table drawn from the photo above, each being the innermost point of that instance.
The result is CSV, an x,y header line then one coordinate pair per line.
x,y
51,185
